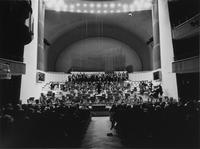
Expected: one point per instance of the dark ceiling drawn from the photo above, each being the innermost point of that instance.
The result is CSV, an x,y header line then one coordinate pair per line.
x,y
182,10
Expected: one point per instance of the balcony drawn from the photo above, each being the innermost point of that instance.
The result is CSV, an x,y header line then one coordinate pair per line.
x,y
188,65
12,67
187,29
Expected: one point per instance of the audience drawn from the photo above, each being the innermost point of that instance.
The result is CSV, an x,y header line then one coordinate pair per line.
x,y
37,125
60,121
167,124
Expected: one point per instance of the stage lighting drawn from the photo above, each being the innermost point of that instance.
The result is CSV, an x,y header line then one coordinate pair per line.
x,y
85,5
112,5
101,7
119,4
118,11
105,11
71,6
91,5
98,5
85,11
78,10
111,11
98,11
91,11
105,5
78,4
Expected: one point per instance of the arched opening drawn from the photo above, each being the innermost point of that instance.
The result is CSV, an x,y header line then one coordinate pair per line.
x,y
80,32
98,54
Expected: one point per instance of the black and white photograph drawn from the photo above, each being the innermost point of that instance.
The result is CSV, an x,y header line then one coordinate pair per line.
x,y
105,74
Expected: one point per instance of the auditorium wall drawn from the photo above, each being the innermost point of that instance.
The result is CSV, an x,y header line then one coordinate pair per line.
x,y
140,76
56,77
98,54
29,91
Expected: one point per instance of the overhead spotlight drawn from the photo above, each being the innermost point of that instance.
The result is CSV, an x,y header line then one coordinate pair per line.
x,y
111,11
91,11
118,11
78,10
71,6
112,5
78,4
105,11
119,4
92,5
85,11
98,11
85,5
98,5
105,5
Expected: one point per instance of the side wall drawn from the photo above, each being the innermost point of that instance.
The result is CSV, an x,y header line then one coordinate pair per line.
x,y
140,76
55,77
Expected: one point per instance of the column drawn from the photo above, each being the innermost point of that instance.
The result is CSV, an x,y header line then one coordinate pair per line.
x,y
40,52
29,86
156,40
169,82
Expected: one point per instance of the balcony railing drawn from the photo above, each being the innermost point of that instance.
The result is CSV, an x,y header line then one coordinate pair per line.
x,y
188,65
14,67
187,28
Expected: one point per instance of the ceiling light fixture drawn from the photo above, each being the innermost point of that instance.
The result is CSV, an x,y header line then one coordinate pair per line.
x,y
78,10
85,11
80,6
105,11
91,5
85,5
98,5
112,5
98,11
105,5
91,11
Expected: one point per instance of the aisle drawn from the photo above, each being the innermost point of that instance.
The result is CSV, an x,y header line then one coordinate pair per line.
x,y
96,135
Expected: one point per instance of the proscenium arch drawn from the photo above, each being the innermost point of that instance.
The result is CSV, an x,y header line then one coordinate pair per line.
x,y
89,30
97,54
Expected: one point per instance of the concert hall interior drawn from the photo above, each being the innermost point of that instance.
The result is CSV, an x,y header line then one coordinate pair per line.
x,y
99,74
